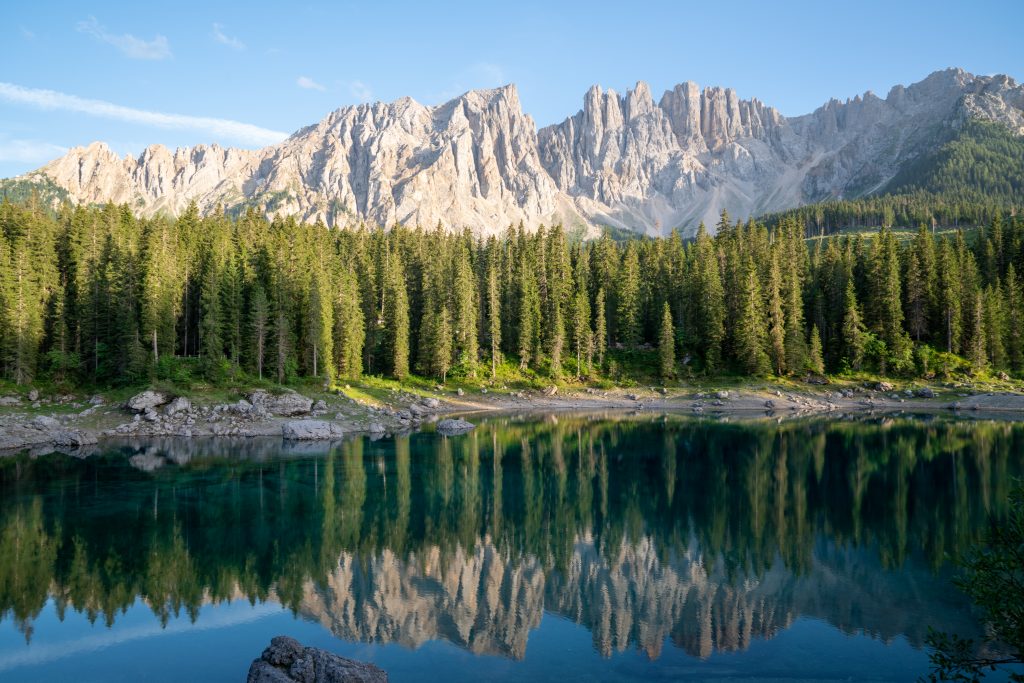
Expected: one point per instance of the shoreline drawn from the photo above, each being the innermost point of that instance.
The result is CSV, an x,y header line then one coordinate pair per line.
x,y
75,426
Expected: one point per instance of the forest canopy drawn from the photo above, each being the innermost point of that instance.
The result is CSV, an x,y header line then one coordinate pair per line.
x,y
98,296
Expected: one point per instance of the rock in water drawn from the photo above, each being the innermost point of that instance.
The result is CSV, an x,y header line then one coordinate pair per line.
x,y
147,399
457,426
310,430
288,661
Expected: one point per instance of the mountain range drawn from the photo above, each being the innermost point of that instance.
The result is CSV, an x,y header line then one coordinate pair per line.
x,y
626,161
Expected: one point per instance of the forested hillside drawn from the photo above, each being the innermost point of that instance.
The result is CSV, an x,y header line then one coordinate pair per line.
x,y
98,296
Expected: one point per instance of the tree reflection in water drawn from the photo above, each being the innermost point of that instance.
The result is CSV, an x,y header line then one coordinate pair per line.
x,y
642,529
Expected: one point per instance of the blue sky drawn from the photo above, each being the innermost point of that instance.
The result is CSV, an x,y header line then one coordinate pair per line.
x,y
245,74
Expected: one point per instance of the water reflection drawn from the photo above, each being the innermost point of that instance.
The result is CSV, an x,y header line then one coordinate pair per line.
x,y
644,530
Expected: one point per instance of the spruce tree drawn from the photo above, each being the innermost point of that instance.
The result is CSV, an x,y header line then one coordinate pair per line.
x,y
600,328
667,344
853,329
259,324
815,359
494,314
627,313
750,327
776,318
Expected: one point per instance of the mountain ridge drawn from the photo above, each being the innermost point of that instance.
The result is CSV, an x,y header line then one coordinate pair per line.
x,y
625,161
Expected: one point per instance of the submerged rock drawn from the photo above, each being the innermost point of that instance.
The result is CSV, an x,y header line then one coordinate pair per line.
x,y
456,426
286,660
310,430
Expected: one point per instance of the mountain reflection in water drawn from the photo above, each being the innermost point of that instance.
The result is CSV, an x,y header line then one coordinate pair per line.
x,y
644,530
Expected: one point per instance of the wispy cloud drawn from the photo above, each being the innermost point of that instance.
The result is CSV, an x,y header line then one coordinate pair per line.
x,y
360,91
218,128
224,39
129,45
309,84
27,34
29,151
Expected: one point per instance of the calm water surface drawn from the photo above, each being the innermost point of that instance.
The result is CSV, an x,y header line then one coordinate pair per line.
x,y
569,548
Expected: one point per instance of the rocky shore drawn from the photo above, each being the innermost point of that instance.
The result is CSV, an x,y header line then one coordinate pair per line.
x,y
65,423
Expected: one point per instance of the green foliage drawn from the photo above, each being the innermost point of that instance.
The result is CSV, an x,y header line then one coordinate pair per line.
x,y
993,577
96,296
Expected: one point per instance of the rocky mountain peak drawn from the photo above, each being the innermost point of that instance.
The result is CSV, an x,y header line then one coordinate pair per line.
x,y
621,160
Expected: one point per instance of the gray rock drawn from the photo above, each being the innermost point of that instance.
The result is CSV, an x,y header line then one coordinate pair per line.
x,y
451,427
310,430
722,394
33,395
147,399
460,392
178,405
73,438
9,400
320,405
288,661
289,403
925,392
883,386
377,428
96,400
45,423
432,403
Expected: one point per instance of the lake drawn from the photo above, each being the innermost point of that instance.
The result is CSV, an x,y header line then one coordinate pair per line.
x,y
566,548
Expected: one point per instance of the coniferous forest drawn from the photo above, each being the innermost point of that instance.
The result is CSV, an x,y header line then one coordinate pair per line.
x,y
96,296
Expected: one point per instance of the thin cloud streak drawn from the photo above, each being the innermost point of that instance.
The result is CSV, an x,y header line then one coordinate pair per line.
x,y
51,100
224,39
309,84
129,45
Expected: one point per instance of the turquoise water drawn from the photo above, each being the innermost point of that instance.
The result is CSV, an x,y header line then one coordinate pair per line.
x,y
567,548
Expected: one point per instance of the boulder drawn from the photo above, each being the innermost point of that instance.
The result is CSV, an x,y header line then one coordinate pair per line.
x,y
377,428
289,403
310,430
320,405
288,661
147,399
33,395
432,403
9,400
73,438
178,405
722,394
883,386
454,426
45,423
925,392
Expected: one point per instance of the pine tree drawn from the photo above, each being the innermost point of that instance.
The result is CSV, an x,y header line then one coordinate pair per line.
x,y
349,326
853,329
707,301
627,313
776,318
320,328
494,314
751,329
1014,320
978,336
667,344
600,328
259,323
815,360
396,321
